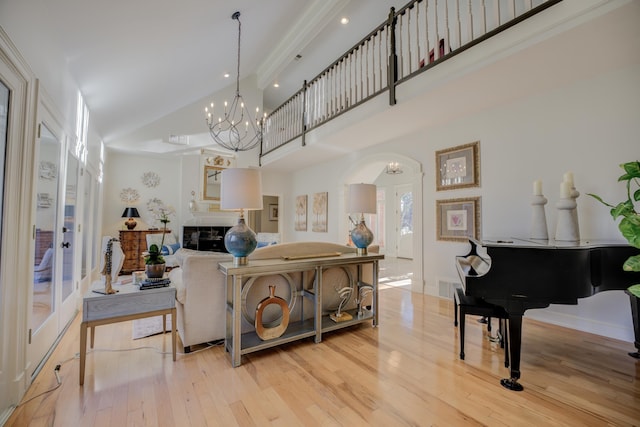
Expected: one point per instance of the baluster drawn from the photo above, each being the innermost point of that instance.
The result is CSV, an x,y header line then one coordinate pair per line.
x,y
512,8
379,42
496,5
426,32
447,41
399,51
484,18
367,68
417,64
458,26
471,35
436,45
408,14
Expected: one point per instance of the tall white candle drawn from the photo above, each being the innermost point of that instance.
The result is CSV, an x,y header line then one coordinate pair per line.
x,y
565,190
568,177
537,188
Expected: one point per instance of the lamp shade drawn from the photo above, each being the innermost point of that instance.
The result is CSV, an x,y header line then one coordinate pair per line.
x,y
130,213
241,188
362,198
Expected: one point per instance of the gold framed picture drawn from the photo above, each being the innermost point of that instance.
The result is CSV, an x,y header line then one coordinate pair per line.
x,y
458,167
458,219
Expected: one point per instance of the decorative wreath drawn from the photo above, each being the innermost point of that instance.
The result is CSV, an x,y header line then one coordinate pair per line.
x,y
129,195
150,179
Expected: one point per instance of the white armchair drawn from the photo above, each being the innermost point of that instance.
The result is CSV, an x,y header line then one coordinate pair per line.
x,y
168,248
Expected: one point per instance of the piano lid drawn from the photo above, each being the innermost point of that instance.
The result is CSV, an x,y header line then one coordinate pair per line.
x,y
548,244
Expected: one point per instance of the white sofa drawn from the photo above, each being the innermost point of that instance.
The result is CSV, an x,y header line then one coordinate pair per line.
x,y
200,287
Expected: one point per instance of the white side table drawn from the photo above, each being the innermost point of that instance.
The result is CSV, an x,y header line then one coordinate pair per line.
x,y
128,304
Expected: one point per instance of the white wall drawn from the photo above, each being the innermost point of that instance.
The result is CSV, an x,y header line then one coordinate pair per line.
x,y
125,171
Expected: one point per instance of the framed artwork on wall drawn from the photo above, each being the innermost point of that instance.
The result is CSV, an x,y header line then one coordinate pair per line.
x,y
273,212
319,222
458,167
458,219
301,213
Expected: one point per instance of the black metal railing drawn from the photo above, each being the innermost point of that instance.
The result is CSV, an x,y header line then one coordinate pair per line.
x,y
412,40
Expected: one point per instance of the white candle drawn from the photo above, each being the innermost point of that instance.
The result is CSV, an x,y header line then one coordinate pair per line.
x,y
568,177
565,190
537,188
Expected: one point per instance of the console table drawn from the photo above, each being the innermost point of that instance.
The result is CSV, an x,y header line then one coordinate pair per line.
x,y
128,304
133,244
308,278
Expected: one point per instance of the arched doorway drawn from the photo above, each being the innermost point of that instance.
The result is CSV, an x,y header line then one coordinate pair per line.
x,y
399,206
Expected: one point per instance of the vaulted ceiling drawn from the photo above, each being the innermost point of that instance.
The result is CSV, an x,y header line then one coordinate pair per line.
x,y
138,61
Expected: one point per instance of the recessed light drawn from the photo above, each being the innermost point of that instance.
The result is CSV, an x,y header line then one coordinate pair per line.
x,y
344,20
276,84
226,75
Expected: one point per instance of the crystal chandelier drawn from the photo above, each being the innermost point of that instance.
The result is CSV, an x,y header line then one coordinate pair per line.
x,y
235,131
393,168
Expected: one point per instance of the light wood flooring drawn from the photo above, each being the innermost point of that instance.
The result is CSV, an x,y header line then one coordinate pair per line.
x,y
405,372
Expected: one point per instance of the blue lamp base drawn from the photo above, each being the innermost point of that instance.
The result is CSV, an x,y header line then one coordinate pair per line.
x,y
362,237
240,241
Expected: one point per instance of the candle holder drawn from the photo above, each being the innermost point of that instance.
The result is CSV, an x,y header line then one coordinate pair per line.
x,y
574,213
567,228
539,218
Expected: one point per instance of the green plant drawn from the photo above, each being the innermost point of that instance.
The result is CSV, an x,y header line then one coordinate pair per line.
x,y
154,256
630,223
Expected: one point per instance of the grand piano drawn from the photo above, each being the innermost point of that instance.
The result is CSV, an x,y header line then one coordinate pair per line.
x,y
519,274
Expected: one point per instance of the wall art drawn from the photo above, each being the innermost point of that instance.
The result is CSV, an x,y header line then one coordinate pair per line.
x,y
319,222
301,213
458,167
458,219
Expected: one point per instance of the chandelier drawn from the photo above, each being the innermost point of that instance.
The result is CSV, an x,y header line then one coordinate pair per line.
x,y
235,130
393,168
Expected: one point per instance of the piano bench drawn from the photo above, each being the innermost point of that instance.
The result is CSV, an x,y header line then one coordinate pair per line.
x,y
474,306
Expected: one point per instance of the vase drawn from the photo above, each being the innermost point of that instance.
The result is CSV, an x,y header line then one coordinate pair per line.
x,y
155,271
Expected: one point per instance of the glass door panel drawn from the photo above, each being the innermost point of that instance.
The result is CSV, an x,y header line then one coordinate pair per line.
x,y
44,297
68,230
404,205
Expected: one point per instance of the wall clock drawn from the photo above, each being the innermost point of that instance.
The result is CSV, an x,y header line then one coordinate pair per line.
x,y
150,179
129,195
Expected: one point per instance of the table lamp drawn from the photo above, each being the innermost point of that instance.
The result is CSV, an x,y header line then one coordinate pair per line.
x,y
130,213
241,188
362,200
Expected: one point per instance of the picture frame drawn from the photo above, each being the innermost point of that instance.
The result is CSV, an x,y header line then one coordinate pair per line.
x,y
273,212
211,183
301,213
458,219
458,167
320,212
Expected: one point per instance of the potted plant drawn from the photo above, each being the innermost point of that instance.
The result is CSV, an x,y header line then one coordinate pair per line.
x,y
630,224
630,228
153,260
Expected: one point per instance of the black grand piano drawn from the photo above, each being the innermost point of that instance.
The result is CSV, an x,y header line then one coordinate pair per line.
x,y
519,274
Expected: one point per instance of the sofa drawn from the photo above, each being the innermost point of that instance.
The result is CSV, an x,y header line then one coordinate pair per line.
x,y
200,287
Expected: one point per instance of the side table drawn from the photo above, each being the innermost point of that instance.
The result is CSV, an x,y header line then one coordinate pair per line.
x,y
128,304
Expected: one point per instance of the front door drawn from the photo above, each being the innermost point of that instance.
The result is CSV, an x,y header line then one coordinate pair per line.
x,y
404,218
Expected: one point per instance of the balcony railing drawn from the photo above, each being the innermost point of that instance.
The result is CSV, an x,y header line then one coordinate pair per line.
x,y
419,36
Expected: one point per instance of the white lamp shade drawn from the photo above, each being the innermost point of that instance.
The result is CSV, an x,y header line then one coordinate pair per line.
x,y
362,198
241,188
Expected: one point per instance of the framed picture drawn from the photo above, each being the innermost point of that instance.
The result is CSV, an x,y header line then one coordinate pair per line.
x,y
273,212
458,167
458,219
319,222
301,213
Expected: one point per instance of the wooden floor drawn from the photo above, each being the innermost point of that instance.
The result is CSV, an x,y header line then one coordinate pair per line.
x,y
405,372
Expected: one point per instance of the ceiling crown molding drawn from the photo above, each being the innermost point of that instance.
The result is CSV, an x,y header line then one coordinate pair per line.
x,y
304,30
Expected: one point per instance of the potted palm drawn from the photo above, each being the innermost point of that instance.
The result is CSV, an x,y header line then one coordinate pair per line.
x,y
630,228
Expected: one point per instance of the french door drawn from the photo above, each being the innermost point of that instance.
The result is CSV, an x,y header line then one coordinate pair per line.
x,y
54,276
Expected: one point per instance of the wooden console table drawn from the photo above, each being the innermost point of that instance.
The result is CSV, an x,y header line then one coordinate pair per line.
x,y
133,244
306,276
128,304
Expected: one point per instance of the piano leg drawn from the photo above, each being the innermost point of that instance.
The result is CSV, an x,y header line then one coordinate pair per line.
x,y
515,344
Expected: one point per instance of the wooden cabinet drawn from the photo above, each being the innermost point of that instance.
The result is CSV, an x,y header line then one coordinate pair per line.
x,y
134,243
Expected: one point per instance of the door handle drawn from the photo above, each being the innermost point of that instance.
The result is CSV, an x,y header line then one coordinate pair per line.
x,y
65,244
65,229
